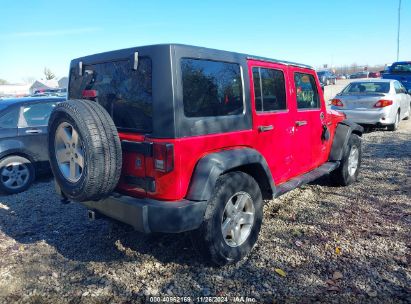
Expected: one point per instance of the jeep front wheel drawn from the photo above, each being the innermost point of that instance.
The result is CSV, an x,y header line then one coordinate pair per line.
x,y
232,221
84,150
347,172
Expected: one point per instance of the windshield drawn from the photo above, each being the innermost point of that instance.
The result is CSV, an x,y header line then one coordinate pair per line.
x,y
367,87
126,94
401,67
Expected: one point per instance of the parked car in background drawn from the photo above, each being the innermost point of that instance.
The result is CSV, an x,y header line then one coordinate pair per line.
x,y
400,71
363,74
327,77
381,102
62,92
23,141
374,75
341,76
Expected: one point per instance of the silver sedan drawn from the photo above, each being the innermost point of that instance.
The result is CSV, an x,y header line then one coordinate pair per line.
x,y
379,102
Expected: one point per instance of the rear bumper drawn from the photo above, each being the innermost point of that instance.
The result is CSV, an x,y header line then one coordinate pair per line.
x,y
147,215
372,117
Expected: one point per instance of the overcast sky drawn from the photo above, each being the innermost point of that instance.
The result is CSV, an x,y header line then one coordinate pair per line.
x,y
41,33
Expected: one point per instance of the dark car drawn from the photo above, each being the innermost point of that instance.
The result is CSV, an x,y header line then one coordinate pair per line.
x,y
23,140
360,75
327,77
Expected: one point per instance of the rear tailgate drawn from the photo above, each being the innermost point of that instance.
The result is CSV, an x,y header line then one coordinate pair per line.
x,y
126,94
133,174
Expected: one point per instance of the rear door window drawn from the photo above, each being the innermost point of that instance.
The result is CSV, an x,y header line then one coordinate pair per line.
x,y
211,88
306,90
36,115
9,119
269,90
125,93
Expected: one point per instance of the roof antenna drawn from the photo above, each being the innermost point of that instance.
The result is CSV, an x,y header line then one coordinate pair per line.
x,y
135,66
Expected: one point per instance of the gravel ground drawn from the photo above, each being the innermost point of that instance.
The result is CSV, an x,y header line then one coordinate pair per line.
x,y
334,245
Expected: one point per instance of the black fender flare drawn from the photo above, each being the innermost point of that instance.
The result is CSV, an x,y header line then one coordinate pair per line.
x,y
211,166
342,133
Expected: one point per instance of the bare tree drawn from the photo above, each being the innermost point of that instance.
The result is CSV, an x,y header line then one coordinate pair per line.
x,y
49,74
2,81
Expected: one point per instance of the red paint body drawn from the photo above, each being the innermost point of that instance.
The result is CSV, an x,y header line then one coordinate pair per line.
x,y
289,150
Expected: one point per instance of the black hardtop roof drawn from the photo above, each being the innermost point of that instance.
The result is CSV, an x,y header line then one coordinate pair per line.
x,y
125,53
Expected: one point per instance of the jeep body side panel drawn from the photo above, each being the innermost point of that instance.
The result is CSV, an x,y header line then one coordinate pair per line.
x,y
342,133
188,151
211,166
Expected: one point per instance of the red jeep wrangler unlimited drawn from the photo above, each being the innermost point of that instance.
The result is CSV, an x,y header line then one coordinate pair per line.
x,y
173,138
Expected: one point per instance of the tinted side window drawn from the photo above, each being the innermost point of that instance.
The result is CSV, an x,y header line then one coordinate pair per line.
x,y
125,93
9,119
37,115
269,90
211,88
306,90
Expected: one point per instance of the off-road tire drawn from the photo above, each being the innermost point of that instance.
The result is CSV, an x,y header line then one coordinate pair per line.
x,y
394,126
7,161
341,175
100,144
208,239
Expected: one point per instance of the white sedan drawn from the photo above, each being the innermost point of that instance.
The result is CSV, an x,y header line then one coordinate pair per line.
x,y
378,102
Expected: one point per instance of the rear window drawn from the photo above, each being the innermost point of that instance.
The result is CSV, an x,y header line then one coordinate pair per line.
x,y
367,87
211,88
38,114
401,67
125,93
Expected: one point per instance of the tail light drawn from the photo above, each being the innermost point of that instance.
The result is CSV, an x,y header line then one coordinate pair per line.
x,y
336,102
163,155
89,94
383,103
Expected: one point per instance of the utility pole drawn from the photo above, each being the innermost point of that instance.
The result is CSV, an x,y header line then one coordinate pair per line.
x,y
398,33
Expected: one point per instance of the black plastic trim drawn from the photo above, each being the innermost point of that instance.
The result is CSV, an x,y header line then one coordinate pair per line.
x,y
298,181
211,166
342,133
145,148
147,215
146,183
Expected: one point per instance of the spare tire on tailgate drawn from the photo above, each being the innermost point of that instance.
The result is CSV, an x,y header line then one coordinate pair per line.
x,y
84,150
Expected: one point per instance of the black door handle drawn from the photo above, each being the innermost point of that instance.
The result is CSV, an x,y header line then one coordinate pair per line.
x,y
265,128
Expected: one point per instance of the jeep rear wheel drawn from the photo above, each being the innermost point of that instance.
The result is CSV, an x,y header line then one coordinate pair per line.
x,y
347,172
84,150
232,221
